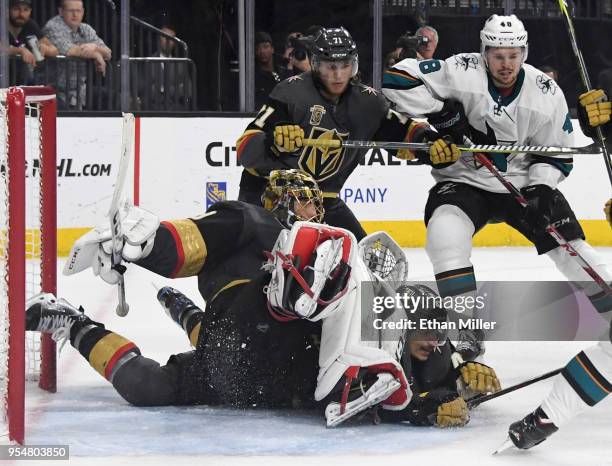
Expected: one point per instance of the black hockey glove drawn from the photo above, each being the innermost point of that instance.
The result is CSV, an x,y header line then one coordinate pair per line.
x,y
540,199
451,121
440,407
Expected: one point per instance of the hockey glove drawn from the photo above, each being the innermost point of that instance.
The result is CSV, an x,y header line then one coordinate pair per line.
x,y
288,138
440,407
540,199
594,110
451,121
607,209
475,378
442,153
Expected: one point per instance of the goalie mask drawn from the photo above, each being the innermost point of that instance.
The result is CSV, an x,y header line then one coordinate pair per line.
x,y
293,195
503,31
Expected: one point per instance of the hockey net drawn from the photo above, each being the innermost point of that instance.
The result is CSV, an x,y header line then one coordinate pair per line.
x,y
28,254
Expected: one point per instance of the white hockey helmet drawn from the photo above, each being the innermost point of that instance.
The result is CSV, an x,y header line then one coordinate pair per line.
x,y
503,31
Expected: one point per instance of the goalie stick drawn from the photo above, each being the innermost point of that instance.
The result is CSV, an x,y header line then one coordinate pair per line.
x,y
484,148
114,211
586,82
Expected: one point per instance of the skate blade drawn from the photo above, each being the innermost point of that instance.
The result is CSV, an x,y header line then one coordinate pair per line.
x,y
504,446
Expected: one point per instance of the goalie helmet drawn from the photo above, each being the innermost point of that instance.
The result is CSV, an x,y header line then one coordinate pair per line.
x,y
503,31
286,189
334,44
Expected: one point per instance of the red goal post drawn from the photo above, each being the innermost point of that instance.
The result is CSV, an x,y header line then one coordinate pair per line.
x,y
28,243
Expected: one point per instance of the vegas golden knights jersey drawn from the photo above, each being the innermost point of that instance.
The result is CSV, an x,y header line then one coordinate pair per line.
x,y
360,113
223,248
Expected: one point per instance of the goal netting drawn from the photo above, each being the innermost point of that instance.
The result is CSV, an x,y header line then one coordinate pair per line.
x,y
28,255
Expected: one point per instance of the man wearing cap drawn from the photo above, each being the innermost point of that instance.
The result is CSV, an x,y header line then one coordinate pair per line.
x,y
25,37
267,75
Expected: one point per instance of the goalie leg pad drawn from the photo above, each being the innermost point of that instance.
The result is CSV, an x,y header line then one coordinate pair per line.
x,y
383,388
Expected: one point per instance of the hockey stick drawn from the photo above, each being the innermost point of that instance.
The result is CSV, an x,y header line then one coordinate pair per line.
x,y
484,148
479,399
114,212
550,229
586,82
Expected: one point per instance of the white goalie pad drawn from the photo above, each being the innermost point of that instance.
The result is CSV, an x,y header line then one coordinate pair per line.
x,y
344,352
308,261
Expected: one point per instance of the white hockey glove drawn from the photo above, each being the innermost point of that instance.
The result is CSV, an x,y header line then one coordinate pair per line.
x,y
94,248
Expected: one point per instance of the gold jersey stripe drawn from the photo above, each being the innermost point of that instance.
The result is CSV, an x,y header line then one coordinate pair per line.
x,y
195,334
231,284
194,247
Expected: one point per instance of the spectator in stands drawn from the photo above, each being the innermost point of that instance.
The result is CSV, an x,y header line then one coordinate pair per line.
x,y
427,42
267,75
73,38
167,47
171,82
25,37
550,71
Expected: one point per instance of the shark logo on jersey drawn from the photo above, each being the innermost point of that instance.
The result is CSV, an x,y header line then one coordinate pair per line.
x,y
546,84
466,62
316,114
322,162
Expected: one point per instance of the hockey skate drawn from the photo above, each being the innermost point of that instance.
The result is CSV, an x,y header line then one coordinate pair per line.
x,y
532,430
177,306
470,345
48,314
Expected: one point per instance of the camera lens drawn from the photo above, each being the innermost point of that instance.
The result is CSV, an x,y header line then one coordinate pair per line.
x,y
299,54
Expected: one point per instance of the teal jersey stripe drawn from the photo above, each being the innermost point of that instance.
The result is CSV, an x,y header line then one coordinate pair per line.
x,y
395,81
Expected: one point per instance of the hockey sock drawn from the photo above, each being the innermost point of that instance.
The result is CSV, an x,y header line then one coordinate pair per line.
x,y
105,351
583,382
449,247
574,272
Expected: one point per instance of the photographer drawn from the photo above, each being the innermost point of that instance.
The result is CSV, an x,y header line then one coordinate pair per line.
x,y
427,42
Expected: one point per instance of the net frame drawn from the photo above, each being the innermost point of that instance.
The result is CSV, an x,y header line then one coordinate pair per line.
x,y
21,105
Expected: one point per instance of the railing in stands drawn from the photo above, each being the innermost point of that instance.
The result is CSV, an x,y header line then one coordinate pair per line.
x,y
161,84
585,9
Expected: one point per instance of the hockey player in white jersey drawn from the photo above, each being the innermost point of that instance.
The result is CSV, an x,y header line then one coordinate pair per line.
x,y
494,97
587,378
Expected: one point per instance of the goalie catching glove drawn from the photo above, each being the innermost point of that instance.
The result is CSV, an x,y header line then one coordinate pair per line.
x,y
94,249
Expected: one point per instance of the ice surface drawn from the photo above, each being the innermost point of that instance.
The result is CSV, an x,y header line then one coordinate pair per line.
x,y
101,428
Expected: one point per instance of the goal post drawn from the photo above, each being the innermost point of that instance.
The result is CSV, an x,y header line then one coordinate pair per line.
x,y
28,243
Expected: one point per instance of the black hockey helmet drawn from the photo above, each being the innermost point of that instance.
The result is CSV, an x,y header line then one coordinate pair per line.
x,y
425,307
333,44
285,188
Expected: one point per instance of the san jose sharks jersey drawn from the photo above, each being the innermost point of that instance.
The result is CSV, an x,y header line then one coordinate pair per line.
x,y
535,113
